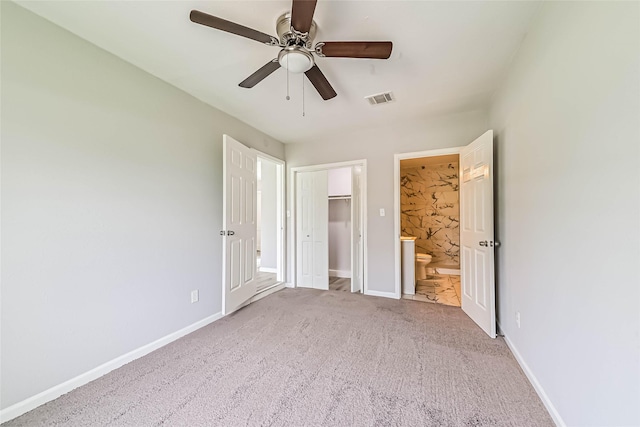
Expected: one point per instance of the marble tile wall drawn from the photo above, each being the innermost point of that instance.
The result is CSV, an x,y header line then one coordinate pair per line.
x,y
431,210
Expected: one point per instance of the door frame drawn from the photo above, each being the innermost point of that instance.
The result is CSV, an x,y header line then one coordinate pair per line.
x,y
280,215
396,203
292,216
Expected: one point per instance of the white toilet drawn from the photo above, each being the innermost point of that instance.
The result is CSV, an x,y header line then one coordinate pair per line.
x,y
422,260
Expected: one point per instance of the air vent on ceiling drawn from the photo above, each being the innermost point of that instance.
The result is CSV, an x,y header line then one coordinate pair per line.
x,y
380,98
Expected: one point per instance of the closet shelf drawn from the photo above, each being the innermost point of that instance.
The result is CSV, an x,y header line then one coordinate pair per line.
x,y
339,197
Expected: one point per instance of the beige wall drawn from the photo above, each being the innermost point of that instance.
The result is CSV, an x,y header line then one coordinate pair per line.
x,y
566,118
378,145
111,205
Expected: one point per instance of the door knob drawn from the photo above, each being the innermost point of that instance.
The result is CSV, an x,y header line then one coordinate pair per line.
x,y
484,243
230,233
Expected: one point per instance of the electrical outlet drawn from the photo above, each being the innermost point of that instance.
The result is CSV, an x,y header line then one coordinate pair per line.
x,y
518,319
194,296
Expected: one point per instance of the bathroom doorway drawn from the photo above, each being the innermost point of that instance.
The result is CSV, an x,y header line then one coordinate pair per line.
x,y
476,242
430,228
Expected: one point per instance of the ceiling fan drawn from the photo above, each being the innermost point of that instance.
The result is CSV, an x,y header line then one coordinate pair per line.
x,y
296,31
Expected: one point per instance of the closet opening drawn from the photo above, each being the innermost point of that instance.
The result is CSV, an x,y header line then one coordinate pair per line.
x,y
339,190
328,226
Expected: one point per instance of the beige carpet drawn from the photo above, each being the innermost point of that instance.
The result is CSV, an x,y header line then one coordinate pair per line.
x,y
305,357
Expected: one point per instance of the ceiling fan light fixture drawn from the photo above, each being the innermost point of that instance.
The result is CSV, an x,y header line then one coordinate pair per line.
x,y
295,60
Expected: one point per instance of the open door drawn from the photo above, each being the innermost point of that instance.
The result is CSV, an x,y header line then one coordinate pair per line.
x,y
356,230
312,230
239,219
476,233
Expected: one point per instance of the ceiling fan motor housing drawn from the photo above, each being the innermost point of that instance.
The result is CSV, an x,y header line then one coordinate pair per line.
x,y
289,37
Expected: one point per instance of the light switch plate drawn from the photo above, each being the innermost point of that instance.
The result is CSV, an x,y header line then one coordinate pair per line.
x,y
194,296
382,212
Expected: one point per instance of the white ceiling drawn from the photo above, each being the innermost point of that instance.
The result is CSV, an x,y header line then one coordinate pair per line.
x,y
447,56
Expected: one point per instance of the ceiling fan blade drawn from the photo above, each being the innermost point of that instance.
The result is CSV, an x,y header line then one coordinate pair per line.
x,y
231,27
320,82
261,74
374,50
302,14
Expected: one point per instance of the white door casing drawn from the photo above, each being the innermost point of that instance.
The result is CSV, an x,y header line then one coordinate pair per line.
x,y
476,233
356,230
239,219
312,230
281,221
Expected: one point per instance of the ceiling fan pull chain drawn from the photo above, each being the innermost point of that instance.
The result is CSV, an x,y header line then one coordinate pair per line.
x,y
302,95
288,98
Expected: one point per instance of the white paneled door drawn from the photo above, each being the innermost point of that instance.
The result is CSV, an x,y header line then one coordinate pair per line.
x,y
312,230
476,233
239,219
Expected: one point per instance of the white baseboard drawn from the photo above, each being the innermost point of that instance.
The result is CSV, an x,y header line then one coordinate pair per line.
x,y
557,419
381,294
289,285
54,392
268,270
340,273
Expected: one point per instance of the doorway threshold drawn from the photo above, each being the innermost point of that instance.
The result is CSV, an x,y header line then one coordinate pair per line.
x,y
267,291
